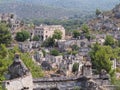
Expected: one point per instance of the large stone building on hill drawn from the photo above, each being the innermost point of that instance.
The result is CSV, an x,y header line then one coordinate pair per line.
x,y
45,31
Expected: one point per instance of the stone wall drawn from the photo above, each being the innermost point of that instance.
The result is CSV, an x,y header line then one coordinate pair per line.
x,y
22,83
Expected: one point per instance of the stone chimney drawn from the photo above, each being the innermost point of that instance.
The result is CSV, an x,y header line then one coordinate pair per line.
x,y
16,57
17,68
87,69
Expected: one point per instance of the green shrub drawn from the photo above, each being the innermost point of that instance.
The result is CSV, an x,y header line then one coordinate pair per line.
x,y
35,69
54,52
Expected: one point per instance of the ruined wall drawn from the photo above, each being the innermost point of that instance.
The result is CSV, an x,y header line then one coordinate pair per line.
x,y
21,83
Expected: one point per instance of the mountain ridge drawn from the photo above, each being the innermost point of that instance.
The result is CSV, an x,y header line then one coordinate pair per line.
x,y
54,8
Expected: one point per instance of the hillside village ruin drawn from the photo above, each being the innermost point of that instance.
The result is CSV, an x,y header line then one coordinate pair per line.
x,y
59,68
20,78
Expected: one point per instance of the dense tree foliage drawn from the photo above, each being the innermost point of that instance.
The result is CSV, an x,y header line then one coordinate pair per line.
x,y
36,38
116,52
54,52
49,42
86,31
6,58
85,28
5,36
98,12
22,36
75,47
75,67
76,33
57,34
3,51
101,57
109,41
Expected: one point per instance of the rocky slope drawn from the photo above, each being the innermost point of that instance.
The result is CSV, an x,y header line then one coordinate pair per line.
x,y
109,20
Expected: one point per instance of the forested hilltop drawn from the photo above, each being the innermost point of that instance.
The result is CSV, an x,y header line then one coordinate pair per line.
x,y
61,9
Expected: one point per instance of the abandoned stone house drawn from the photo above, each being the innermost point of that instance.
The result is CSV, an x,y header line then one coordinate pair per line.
x,y
116,36
84,51
25,46
87,69
64,45
100,38
82,42
116,10
38,56
45,31
36,44
4,17
67,66
12,20
15,24
49,60
100,41
54,60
